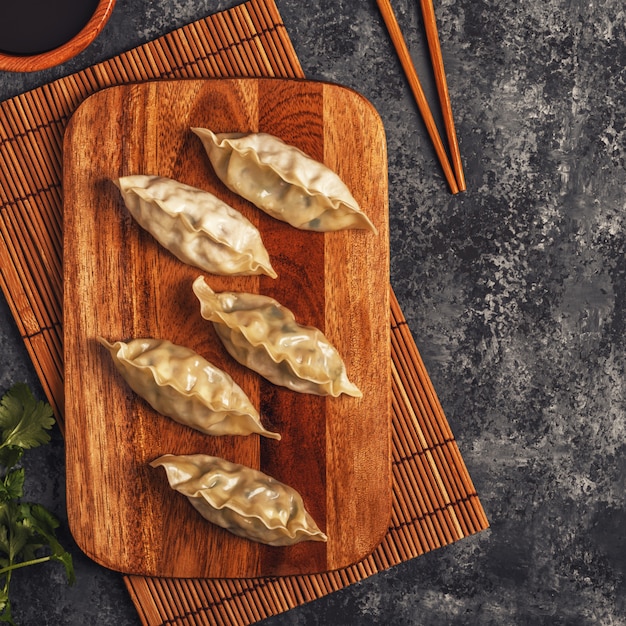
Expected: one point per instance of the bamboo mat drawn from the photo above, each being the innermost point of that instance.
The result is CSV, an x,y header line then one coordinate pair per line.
x,y
434,500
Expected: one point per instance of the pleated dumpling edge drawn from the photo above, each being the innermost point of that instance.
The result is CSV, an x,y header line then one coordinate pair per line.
x,y
283,181
240,499
196,226
262,334
181,384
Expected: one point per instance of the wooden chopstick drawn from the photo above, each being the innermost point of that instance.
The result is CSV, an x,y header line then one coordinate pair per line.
x,y
434,46
418,93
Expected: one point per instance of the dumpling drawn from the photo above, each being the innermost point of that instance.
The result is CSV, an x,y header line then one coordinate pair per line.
x,y
263,335
181,384
283,181
196,226
244,501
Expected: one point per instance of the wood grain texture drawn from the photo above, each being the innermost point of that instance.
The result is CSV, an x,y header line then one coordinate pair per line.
x,y
119,283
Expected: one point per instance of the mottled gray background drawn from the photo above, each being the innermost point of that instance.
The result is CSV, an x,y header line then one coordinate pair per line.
x,y
514,291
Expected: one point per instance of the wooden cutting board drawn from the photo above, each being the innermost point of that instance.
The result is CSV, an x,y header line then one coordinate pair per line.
x,y
119,283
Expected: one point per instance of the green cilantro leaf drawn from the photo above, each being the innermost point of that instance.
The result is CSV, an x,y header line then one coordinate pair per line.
x,y
10,457
13,485
27,531
4,546
24,421
5,607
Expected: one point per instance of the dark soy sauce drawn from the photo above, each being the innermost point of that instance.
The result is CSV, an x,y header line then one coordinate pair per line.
x,y
35,26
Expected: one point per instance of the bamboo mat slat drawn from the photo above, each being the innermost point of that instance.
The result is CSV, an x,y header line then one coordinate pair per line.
x,y
434,500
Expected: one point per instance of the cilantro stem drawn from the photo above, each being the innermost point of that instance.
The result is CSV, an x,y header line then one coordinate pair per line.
x,y
24,423
14,566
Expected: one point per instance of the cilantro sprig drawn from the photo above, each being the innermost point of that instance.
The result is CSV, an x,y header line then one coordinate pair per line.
x,y
27,531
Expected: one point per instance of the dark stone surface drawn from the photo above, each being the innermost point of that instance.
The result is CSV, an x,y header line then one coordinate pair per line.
x,y
515,292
